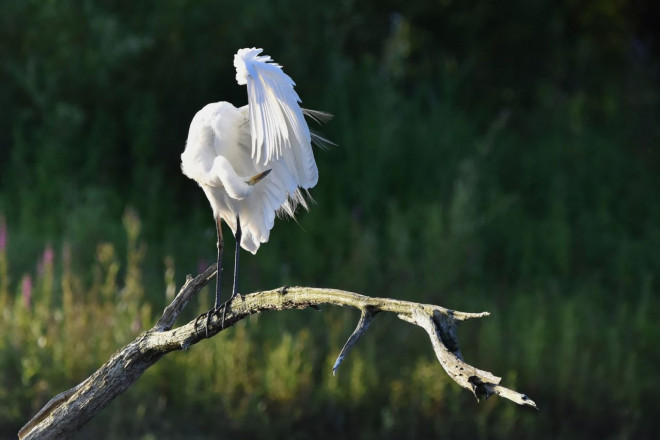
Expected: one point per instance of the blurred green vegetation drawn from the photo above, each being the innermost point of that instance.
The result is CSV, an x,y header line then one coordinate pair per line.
x,y
492,156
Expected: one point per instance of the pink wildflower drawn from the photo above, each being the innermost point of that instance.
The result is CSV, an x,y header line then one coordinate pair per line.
x,y
46,262
48,256
26,290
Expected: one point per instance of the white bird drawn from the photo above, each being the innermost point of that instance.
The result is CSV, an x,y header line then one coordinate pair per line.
x,y
252,162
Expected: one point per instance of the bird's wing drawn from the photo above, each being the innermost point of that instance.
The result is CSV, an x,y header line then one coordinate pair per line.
x,y
277,124
212,157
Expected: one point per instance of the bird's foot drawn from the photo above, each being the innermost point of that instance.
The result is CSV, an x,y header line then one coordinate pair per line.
x,y
207,315
210,313
215,311
225,306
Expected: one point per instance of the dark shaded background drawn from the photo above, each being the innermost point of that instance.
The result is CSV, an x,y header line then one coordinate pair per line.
x,y
496,156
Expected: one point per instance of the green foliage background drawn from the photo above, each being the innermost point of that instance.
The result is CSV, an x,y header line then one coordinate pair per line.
x,y
499,156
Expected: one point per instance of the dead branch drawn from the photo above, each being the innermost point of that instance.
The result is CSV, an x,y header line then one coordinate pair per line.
x,y
69,411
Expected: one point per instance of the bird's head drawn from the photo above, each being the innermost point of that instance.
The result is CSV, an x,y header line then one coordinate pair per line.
x,y
241,60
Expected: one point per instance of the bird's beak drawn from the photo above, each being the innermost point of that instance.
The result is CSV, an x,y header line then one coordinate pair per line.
x,y
256,179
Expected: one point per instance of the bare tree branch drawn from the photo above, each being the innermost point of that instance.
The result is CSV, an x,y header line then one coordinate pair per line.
x,y
69,411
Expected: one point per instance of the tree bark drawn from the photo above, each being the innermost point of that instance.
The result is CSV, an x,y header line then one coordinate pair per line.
x,y
67,412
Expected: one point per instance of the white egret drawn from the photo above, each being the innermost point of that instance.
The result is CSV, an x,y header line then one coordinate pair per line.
x,y
255,161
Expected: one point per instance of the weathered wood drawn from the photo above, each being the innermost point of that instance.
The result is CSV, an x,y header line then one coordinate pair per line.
x,y
69,411
363,325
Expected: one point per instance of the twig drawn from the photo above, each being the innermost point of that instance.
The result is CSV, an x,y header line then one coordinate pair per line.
x,y
363,324
187,292
69,411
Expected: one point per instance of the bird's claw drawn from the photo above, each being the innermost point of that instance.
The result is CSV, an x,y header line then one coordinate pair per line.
x,y
224,314
208,320
208,314
227,305
214,311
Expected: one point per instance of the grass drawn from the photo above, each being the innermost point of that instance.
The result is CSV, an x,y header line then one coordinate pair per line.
x,y
585,362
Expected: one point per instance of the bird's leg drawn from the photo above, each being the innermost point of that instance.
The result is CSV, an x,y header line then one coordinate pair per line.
x,y
218,226
237,236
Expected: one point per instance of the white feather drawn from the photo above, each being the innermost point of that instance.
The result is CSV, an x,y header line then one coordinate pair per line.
x,y
227,146
277,123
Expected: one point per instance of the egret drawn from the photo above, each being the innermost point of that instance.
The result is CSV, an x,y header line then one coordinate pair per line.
x,y
255,161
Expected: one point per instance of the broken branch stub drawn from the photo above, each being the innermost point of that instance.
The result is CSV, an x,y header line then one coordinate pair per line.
x,y
363,324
